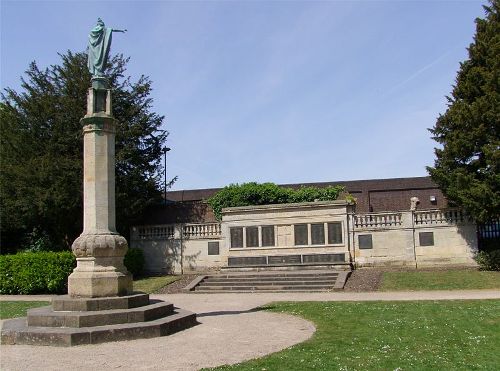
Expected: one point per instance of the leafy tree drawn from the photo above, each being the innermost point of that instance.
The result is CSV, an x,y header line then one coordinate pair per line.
x,y
467,166
41,152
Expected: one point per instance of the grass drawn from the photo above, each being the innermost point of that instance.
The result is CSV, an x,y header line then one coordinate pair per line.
x,y
151,284
440,280
419,335
11,309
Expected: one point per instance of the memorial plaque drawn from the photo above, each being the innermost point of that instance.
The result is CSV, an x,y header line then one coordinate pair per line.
x,y
284,259
318,234
236,237
426,238
323,258
268,235
335,233
300,234
213,248
246,261
365,241
252,234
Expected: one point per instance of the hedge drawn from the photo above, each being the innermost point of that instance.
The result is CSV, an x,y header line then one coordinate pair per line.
x,y
134,261
29,273
36,272
489,260
252,193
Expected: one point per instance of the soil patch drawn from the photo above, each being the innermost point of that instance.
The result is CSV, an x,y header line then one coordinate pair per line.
x,y
177,286
364,280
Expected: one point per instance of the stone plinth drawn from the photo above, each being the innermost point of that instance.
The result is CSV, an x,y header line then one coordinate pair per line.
x,y
78,321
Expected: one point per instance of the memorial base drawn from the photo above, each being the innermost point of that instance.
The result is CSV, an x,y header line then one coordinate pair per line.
x,y
77,321
99,284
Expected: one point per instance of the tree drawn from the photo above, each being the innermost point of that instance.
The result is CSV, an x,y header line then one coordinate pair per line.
x,y
467,166
41,152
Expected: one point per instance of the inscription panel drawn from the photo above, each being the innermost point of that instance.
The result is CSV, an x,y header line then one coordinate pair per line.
x,y
300,234
335,233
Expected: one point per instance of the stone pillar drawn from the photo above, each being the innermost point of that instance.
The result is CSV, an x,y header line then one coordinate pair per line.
x,y
99,250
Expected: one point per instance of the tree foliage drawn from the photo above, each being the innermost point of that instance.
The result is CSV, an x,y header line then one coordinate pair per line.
x,y
467,166
268,193
42,151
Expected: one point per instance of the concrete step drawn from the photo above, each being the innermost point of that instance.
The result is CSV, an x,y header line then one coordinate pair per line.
x,y
68,303
17,331
47,317
276,275
265,288
268,283
269,277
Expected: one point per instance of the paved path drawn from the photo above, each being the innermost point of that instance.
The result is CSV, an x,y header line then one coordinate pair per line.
x,y
230,331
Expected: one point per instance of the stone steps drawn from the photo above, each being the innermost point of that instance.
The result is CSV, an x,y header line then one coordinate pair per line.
x,y
265,288
268,283
16,331
47,317
76,321
218,278
271,281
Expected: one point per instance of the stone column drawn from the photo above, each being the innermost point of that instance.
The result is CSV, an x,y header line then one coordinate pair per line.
x,y
99,249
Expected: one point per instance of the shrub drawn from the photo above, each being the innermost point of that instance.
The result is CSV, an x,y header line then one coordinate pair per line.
x,y
134,261
29,273
247,194
489,260
36,272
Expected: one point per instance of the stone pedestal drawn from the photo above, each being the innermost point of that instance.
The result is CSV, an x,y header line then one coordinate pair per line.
x,y
99,250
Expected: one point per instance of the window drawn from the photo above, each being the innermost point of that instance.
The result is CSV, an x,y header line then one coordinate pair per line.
x,y
318,234
365,241
236,237
252,234
300,234
426,238
213,248
268,235
334,233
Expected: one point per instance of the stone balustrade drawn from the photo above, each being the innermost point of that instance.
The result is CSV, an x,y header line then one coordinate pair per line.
x,y
200,231
161,232
443,216
378,220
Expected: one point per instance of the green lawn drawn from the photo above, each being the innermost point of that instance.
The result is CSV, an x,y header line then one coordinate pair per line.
x,y
440,280
440,335
11,309
151,284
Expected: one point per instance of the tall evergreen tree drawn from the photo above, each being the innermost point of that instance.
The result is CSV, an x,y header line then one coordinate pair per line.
x,y
467,167
41,151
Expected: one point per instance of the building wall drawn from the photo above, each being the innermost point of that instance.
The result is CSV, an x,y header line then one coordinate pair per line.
x,y
283,218
398,238
422,238
179,248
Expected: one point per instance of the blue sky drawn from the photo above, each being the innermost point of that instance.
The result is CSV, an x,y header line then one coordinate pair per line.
x,y
280,91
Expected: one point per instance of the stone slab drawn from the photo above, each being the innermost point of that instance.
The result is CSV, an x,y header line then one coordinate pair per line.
x,y
16,331
68,303
47,317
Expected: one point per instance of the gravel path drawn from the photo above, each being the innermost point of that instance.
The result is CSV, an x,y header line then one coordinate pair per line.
x,y
230,331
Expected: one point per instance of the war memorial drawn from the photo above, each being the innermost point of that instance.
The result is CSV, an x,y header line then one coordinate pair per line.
x,y
100,305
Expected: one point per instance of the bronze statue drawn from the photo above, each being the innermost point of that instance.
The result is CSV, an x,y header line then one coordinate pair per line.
x,y
98,48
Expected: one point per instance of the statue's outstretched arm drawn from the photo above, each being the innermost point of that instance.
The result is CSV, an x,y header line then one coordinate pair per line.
x,y
113,30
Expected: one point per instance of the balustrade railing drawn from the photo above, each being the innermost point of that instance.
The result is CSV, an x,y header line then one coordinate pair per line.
x,y
444,216
156,232
193,231
378,220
